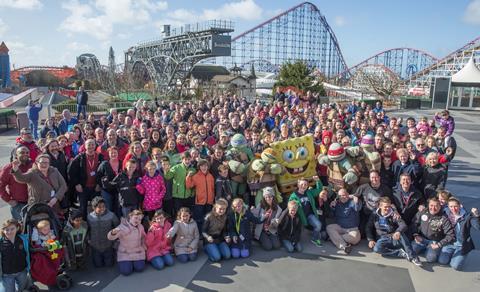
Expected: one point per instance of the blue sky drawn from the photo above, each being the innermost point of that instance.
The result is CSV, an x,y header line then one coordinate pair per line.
x,y
48,32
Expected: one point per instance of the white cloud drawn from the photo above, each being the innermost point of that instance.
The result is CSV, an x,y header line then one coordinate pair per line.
x,y
21,4
78,47
23,54
98,18
472,13
340,21
3,27
244,10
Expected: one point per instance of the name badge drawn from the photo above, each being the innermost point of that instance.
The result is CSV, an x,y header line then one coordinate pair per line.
x,y
52,194
242,238
92,173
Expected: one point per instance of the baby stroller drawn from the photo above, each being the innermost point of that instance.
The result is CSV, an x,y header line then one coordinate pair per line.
x,y
46,263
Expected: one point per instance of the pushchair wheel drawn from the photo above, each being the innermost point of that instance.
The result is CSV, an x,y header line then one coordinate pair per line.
x,y
64,282
34,288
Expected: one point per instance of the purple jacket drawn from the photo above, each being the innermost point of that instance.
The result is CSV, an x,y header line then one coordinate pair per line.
x,y
448,124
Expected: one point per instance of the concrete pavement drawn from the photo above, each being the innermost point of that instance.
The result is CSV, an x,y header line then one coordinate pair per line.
x,y
318,267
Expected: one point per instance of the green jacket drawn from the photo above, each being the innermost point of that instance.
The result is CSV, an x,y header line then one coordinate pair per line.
x,y
178,174
312,195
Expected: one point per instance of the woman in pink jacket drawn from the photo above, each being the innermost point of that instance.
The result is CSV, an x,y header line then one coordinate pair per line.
x,y
158,246
131,250
152,187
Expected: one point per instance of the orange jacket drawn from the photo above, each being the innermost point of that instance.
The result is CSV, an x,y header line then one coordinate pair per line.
x,y
204,185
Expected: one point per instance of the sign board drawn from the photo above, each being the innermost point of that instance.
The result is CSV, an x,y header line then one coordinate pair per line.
x,y
221,45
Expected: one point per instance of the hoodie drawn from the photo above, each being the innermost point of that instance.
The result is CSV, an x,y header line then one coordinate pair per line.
x,y
379,225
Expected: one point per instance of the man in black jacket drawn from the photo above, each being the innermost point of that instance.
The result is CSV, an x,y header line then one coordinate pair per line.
x,y
432,230
407,199
82,173
82,100
390,231
290,228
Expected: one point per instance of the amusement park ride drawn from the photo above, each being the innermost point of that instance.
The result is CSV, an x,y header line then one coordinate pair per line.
x,y
299,33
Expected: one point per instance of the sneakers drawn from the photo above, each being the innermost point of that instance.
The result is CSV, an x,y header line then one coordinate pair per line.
x,y
347,249
402,253
317,242
416,261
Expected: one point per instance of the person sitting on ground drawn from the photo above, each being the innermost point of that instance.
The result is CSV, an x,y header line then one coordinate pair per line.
x,y
456,253
269,209
344,232
187,236
131,249
307,200
290,228
386,233
407,199
214,231
432,231
158,245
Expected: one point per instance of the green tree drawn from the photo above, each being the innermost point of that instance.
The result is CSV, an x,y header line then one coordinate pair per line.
x,y
298,74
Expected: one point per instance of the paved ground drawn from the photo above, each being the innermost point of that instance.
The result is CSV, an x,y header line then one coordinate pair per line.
x,y
316,267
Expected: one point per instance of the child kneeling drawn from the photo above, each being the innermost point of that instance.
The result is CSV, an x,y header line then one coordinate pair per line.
x,y
187,236
131,250
215,234
290,228
239,228
158,245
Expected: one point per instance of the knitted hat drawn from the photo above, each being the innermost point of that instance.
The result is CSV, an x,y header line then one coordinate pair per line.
x,y
367,141
268,192
327,133
336,152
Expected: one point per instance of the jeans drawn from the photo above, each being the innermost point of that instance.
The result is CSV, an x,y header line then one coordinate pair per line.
x,y
199,212
387,246
33,125
17,211
291,246
269,241
183,258
217,251
111,202
452,254
102,259
316,224
159,262
9,281
84,197
127,267
236,253
81,109
430,254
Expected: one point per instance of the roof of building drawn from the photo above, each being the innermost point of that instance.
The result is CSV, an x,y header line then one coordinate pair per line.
x,y
3,48
208,71
469,74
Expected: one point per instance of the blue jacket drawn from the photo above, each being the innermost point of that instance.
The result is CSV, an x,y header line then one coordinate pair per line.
x,y
32,111
463,228
244,233
64,124
347,214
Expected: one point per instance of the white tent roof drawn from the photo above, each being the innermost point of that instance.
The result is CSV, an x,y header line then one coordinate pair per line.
x,y
469,74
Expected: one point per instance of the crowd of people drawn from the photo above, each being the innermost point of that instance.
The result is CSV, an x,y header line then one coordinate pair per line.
x,y
157,180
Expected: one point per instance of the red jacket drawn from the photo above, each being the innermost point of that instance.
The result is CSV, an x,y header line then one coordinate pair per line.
x,y
122,149
16,191
34,150
156,240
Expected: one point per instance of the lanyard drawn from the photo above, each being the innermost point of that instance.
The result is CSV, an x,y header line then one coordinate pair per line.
x,y
91,165
237,222
47,180
407,199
